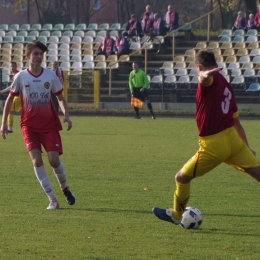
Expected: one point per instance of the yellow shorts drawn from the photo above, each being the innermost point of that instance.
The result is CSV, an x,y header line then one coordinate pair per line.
x,y
226,147
16,107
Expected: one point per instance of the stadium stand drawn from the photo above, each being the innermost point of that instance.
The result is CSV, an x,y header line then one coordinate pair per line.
x,y
69,27
92,27
168,72
79,33
88,51
254,87
47,27
81,26
115,26
183,83
178,58
4,27
253,45
67,33
200,45
238,32
170,82
225,39
58,27
54,33
14,27
103,27
45,33
213,45
242,52
226,32
71,44
88,65
247,65
91,33
24,27
11,33
251,32
75,46
251,39
18,39
36,27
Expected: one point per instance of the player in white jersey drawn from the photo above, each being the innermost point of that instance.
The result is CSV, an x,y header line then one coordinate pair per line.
x,y
40,123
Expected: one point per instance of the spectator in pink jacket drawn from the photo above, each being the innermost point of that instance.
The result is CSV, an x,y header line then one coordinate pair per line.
x,y
250,23
240,22
171,19
257,19
148,9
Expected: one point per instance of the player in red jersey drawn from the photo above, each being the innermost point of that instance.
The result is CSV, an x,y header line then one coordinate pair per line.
x,y
40,123
221,136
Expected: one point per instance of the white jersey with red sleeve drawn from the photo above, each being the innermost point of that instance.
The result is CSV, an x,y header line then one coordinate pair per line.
x,y
38,111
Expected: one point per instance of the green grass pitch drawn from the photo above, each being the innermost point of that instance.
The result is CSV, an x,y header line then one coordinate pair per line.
x,y
119,169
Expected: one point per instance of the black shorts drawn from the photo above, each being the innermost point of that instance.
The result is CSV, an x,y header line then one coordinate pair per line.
x,y
143,96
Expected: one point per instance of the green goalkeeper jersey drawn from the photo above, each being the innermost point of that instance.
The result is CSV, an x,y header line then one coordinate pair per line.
x,y
138,80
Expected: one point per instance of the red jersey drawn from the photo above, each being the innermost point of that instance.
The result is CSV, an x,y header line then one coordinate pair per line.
x,y
215,106
38,111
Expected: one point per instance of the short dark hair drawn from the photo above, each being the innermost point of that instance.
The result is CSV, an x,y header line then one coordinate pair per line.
x,y
13,63
29,47
205,58
137,63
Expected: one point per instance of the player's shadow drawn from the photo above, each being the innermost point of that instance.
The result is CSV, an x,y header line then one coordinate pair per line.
x,y
223,231
204,229
105,210
231,215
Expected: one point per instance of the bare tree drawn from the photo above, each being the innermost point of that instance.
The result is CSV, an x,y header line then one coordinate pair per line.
x,y
49,11
251,5
86,8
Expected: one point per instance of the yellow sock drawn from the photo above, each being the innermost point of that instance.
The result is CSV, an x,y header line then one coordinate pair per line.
x,y
10,121
180,199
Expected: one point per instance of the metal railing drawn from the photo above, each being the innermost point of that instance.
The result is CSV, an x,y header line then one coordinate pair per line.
x,y
172,33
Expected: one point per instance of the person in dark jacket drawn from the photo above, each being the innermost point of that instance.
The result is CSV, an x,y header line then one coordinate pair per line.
x,y
158,25
133,27
122,45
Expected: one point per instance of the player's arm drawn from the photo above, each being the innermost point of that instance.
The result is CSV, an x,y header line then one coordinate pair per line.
x,y
64,108
241,132
206,76
131,86
7,109
5,90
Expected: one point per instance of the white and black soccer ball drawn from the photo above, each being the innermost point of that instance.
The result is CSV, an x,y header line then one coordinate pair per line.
x,y
191,218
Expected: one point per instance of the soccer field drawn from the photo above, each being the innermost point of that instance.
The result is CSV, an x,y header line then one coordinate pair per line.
x,y
119,169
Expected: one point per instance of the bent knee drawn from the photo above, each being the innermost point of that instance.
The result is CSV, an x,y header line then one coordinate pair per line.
x,y
37,163
54,162
254,172
182,178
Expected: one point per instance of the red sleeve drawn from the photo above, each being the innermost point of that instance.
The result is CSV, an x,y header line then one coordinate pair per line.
x,y
58,93
13,93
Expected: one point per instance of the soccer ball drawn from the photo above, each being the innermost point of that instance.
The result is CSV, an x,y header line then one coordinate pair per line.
x,y
191,218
